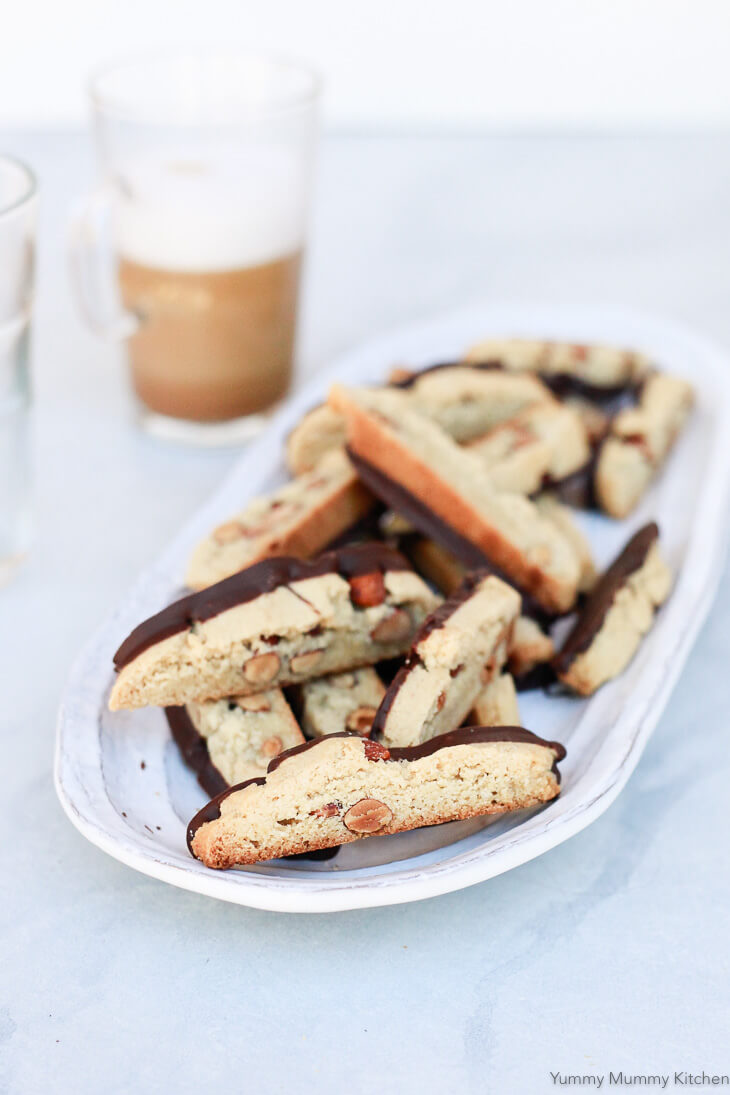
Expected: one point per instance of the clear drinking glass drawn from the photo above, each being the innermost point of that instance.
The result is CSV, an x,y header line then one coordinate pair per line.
x,y
17,260
190,250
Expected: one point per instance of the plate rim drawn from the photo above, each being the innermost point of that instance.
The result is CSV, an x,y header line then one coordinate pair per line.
x,y
318,892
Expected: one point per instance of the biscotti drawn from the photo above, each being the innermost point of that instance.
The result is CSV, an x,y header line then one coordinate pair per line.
x,y
320,431
340,701
281,621
562,518
616,616
467,403
335,790
544,443
301,518
496,704
596,366
448,483
460,648
529,645
639,441
229,741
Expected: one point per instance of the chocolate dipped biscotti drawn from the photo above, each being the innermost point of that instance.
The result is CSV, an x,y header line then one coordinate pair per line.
x,y
639,441
340,701
496,704
618,613
418,470
338,789
459,649
544,443
595,369
281,621
229,741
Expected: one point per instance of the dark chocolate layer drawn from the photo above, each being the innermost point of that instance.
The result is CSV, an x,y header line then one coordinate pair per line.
x,y
427,522
601,598
264,577
194,750
465,735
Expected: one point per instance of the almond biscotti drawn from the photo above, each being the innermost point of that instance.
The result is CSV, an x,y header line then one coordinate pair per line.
x,y
639,441
340,701
459,648
595,366
417,469
546,442
281,621
529,645
335,790
616,616
320,431
229,741
562,518
467,403
301,518
496,704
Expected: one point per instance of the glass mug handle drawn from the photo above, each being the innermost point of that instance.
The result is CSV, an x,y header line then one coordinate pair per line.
x,y
92,263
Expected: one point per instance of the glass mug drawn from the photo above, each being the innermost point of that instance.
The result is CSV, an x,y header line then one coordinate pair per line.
x,y
18,207
191,249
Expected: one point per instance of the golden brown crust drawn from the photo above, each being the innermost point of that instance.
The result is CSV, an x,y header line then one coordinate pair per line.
x,y
384,451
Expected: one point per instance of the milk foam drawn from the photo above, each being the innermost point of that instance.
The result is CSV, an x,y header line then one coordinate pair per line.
x,y
196,213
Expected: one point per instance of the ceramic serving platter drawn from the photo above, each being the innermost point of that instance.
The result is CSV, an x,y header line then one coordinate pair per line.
x,y
123,785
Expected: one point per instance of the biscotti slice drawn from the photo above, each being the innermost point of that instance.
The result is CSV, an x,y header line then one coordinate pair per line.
x,y
413,459
340,701
496,704
468,403
460,648
595,366
639,441
529,646
562,517
616,616
229,741
301,518
281,621
320,431
338,789
544,442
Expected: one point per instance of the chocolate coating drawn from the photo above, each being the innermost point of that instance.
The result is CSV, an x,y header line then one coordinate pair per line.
x,y
263,577
601,598
194,750
465,735
397,497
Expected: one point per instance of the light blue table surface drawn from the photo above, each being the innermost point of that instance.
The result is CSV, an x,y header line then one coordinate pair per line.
x,y
610,953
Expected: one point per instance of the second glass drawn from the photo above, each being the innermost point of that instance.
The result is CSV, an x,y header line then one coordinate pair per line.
x,y
191,249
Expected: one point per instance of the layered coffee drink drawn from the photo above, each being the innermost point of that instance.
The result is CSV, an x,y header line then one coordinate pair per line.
x,y
211,345
209,270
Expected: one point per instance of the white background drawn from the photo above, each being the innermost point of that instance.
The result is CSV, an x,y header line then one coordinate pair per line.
x,y
585,65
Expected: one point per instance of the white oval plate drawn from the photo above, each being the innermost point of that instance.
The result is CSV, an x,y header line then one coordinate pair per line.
x,y
123,785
